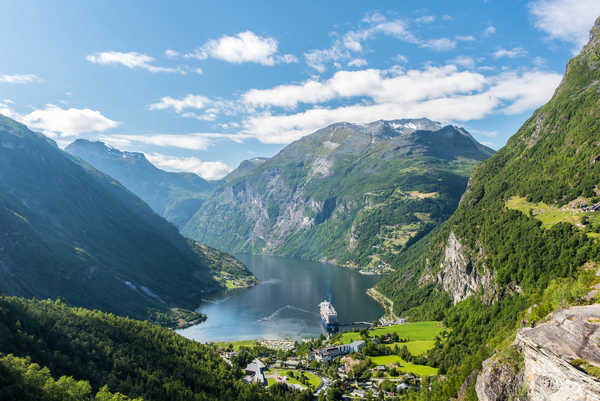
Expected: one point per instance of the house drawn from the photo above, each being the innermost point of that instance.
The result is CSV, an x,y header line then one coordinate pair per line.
x,y
355,346
380,368
254,372
326,354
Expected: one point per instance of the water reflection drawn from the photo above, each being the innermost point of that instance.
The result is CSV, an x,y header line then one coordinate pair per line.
x,y
285,303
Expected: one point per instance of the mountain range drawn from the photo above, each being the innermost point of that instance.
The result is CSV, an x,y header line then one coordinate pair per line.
x,y
351,194
70,231
175,196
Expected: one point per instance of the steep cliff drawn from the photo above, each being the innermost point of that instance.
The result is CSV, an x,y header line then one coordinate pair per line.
x,y
357,195
523,236
560,361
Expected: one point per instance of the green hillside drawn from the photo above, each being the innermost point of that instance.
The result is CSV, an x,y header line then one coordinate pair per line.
x,y
355,195
523,239
50,351
71,231
175,196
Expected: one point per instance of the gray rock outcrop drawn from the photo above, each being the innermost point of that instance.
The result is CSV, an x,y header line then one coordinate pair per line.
x,y
549,352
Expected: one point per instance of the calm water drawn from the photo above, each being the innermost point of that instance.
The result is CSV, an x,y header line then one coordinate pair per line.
x,y
285,303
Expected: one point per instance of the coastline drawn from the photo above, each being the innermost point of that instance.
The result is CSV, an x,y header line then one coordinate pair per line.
x,y
385,302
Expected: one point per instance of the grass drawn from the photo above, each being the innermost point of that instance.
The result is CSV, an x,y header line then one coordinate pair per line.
x,y
550,215
313,380
236,344
415,347
414,331
403,366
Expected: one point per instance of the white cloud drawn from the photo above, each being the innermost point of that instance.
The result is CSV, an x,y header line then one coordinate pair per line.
x,y
539,61
188,102
526,91
172,53
193,141
318,59
245,47
130,60
510,53
357,62
490,30
567,20
287,59
211,108
199,71
465,38
446,18
209,170
439,93
19,78
399,58
426,19
57,122
463,61
441,44
380,85
8,101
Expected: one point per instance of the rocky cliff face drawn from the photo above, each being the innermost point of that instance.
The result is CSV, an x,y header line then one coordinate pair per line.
x,y
459,275
350,194
555,357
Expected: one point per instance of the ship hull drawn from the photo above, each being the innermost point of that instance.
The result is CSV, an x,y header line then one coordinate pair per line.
x,y
329,326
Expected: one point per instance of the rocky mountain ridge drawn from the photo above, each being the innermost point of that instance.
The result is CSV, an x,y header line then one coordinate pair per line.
x,y
175,196
351,194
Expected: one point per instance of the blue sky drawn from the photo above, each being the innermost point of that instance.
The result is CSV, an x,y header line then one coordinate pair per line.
x,y
200,86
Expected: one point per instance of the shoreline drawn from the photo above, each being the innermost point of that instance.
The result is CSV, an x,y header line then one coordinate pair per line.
x,y
385,302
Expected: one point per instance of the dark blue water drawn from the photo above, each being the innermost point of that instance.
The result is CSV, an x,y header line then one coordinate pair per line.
x,y
285,303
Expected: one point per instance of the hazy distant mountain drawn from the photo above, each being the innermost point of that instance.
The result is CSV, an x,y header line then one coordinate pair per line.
x,y
351,194
66,229
175,196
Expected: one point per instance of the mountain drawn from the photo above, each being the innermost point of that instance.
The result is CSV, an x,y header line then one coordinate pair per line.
x,y
68,230
51,351
522,243
175,196
350,194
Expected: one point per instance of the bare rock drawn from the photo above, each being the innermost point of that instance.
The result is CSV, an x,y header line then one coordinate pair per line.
x,y
547,351
459,276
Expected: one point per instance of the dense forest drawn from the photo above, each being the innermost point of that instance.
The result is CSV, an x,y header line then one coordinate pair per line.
x,y
51,351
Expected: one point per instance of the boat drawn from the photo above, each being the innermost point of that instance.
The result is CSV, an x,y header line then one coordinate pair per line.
x,y
328,315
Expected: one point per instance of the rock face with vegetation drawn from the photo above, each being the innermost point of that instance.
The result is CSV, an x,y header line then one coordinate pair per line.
x,y
560,361
522,242
70,231
175,196
356,195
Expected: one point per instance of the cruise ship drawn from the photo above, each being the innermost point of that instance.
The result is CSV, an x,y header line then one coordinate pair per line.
x,y
328,315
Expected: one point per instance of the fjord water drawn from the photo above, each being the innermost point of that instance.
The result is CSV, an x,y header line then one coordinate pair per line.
x,y
285,304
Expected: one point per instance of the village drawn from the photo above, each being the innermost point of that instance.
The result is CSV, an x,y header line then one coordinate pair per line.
x,y
383,361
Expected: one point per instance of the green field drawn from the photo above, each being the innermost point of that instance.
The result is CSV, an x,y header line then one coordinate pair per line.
x,y
313,380
415,331
551,215
415,347
403,366
236,344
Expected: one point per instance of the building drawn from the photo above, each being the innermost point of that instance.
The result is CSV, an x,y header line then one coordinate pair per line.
x,y
255,374
329,353
355,346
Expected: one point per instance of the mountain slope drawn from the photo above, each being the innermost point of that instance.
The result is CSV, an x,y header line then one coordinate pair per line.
x,y
524,239
175,196
135,358
352,194
69,230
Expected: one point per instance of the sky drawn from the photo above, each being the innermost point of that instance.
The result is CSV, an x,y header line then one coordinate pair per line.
x,y
200,86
